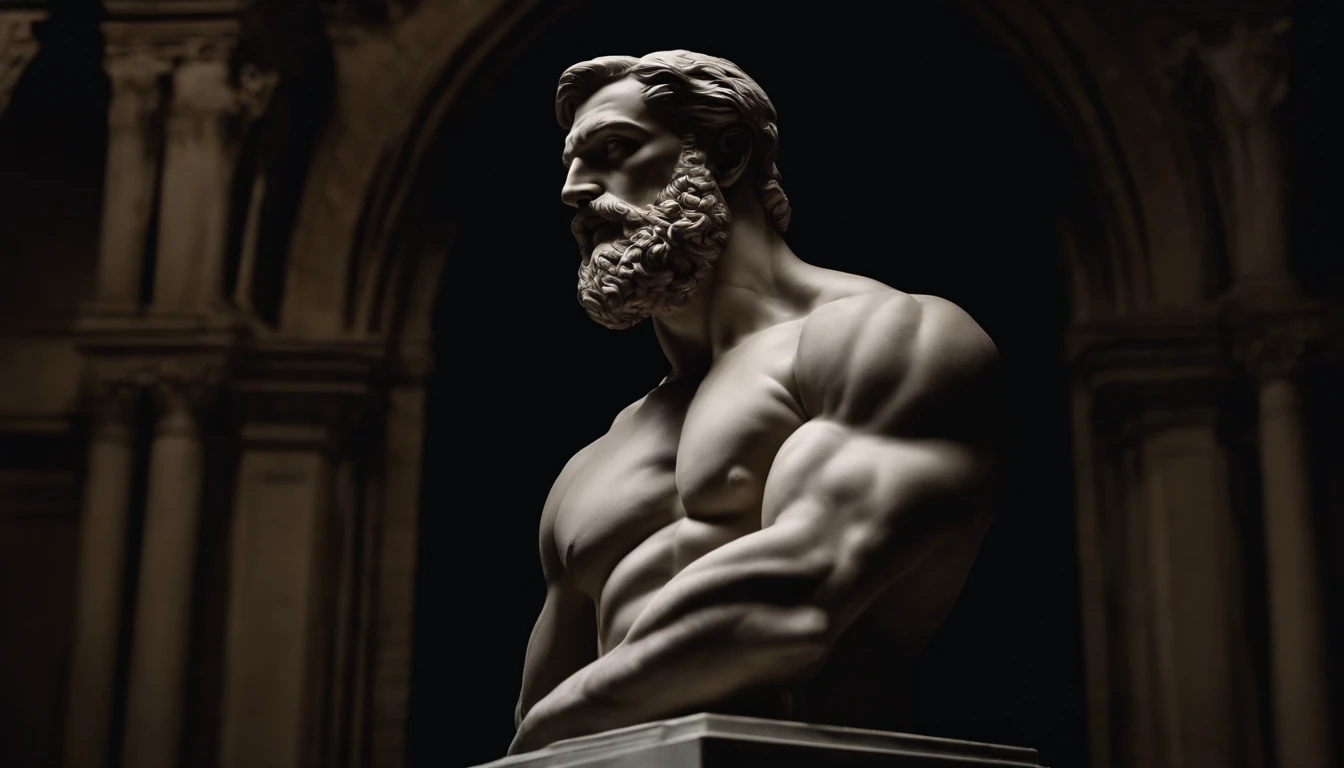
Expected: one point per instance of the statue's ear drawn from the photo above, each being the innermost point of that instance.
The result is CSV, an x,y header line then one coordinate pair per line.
x,y
734,156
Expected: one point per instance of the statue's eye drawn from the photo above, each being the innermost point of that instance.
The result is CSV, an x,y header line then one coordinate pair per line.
x,y
619,148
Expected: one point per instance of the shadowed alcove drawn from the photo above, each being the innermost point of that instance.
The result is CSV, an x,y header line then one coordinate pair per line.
x,y
914,153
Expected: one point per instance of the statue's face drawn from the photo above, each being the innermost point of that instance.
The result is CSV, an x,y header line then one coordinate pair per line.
x,y
651,219
617,148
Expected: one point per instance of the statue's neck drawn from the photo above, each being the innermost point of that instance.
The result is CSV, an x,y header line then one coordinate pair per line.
x,y
750,288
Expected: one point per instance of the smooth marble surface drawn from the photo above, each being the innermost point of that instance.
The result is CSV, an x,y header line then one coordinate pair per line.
x,y
708,741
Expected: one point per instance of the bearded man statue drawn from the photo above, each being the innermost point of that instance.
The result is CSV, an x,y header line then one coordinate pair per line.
x,y
780,525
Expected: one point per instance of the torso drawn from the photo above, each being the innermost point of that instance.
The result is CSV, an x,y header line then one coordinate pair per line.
x,y
682,472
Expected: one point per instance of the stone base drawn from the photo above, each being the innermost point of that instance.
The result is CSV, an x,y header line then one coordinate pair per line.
x,y
712,741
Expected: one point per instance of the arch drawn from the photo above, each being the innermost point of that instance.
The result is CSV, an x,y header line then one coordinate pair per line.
x,y
1139,243
1155,252
383,266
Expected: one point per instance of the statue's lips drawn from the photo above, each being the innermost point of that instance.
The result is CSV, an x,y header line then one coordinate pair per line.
x,y
606,231
592,229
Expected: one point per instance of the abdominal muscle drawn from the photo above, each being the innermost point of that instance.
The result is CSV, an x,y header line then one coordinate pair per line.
x,y
641,574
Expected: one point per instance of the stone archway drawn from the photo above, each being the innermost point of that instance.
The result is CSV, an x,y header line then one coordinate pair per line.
x,y
1136,246
1149,248
1187,334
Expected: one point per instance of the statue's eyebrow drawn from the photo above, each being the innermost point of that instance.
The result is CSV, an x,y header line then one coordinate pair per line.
x,y
591,132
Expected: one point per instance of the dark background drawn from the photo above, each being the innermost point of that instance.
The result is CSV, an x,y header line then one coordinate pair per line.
x,y
913,154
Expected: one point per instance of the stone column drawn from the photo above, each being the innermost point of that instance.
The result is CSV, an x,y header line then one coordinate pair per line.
x,y
102,561
18,47
1199,626
1163,588
159,650
132,172
286,656
398,525
1298,652
1249,71
199,154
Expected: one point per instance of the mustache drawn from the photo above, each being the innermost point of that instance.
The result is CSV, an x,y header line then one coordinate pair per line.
x,y
612,208
607,208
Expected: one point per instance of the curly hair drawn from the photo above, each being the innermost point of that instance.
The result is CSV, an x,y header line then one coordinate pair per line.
x,y
697,95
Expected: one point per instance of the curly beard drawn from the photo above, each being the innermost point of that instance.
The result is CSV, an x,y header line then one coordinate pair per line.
x,y
658,267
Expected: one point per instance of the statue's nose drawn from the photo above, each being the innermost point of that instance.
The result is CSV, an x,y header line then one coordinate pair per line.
x,y
580,186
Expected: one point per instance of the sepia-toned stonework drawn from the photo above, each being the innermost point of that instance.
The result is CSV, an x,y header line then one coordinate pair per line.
x,y
247,377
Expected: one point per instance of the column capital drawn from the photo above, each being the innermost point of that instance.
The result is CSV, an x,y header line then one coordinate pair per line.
x,y
183,390
1272,326
306,417
1273,353
255,88
18,47
1247,60
110,399
205,88
1274,345
134,73
1145,375
202,95
139,51
314,398
211,38
206,45
135,61
1118,355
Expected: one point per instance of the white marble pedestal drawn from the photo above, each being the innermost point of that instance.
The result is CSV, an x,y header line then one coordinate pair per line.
x,y
719,741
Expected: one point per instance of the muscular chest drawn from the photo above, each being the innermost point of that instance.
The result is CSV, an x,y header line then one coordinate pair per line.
x,y
743,411
684,472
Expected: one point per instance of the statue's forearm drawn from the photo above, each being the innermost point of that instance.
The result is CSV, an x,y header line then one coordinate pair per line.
x,y
703,658
562,642
742,615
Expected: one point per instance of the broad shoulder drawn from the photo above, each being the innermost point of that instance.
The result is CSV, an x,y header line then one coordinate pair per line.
x,y
624,416
893,361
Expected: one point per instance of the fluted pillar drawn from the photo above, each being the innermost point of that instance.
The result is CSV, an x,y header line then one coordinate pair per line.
x,y
159,646
288,660
1199,634
135,72
102,560
1169,641
199,157
1248,67
1298,647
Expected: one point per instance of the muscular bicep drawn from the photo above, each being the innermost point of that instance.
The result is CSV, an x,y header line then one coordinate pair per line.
x,y
873,505
844,514
563,640
868,480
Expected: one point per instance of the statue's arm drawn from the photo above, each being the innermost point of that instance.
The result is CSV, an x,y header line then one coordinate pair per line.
x,y
892,464
564,639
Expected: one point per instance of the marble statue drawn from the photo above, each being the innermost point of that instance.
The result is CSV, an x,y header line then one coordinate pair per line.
x,y
779,526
